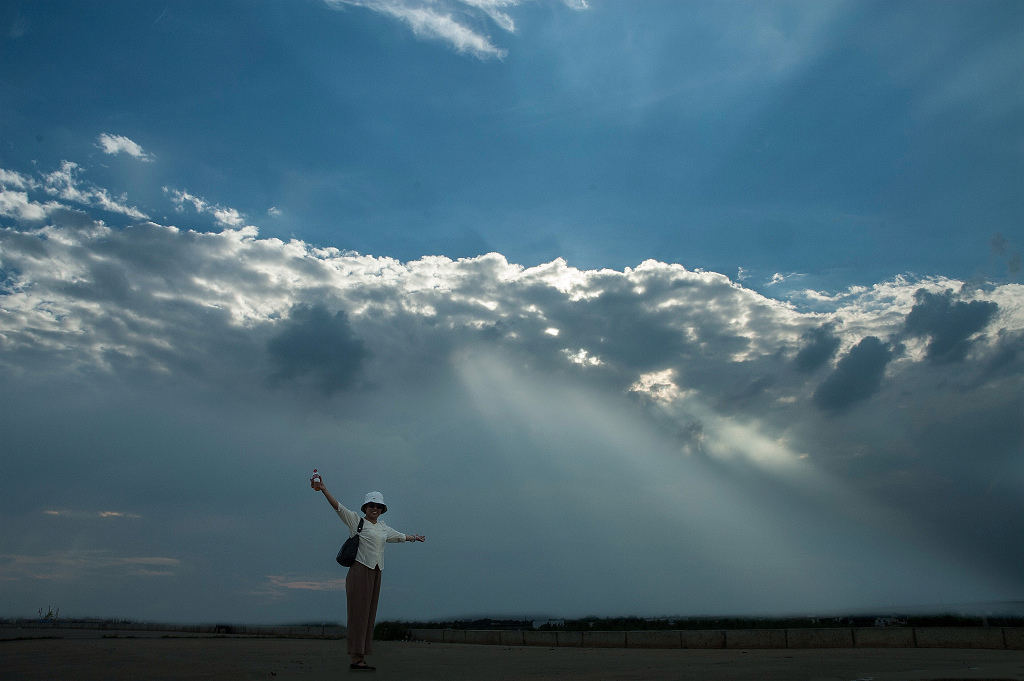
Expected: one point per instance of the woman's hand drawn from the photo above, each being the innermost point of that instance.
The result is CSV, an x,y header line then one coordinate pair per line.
x,y
415,537
317,485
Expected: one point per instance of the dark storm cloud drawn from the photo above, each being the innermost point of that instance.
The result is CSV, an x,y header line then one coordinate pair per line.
x,y
949,323
818,347
317,346
856,377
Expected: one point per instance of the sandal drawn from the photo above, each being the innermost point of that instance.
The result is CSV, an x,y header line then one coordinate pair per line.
x,y
362,666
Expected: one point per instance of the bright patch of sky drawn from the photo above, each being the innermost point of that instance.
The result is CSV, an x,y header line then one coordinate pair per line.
x,y
757,265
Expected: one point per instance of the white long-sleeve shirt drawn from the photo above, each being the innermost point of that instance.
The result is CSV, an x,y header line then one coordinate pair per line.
x,y
371,539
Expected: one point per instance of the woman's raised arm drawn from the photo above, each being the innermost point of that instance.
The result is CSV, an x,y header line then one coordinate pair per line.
x,y
319,486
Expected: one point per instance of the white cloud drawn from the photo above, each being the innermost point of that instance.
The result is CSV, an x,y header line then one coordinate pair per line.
x,y
427,21
10,178
674,313
307,585
17,205
90,514
115,144
228,217
582,357
779,277
492,8
658,385
443,20
225,217
180,198
64,184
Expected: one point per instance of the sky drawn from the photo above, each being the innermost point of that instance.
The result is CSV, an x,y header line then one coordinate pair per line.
x,y
657,308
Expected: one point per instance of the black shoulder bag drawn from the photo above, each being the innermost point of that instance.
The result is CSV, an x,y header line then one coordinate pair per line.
x,y
347,554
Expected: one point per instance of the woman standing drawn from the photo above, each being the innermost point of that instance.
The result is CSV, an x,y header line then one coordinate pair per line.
x,y
362,584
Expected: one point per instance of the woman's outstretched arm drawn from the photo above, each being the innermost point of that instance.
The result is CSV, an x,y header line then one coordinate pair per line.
x,y
396,536
321,487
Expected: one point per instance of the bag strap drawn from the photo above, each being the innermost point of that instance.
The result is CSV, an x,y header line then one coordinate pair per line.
x,y
360,528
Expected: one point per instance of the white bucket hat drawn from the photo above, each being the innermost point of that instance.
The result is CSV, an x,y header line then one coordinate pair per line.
x,y
374,498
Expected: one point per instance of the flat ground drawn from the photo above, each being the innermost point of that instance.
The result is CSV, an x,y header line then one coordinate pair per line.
x,y
156,656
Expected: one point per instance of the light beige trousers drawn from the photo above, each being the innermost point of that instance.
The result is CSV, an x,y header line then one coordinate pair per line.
x,y
362,589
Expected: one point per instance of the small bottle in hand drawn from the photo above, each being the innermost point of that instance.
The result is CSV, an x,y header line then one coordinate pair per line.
x,y
315,481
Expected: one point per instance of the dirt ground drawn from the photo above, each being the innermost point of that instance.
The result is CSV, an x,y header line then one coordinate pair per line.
x,y
156,656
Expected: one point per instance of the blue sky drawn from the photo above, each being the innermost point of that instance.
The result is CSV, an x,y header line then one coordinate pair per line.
x,y
855,141
748,271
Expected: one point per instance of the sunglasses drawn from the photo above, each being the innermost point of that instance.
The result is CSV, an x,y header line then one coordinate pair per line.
x,y
375,506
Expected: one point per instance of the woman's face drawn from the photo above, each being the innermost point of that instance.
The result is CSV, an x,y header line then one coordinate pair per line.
x,y
373,511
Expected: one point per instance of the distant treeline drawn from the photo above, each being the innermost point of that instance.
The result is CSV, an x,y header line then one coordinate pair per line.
x,y
399,630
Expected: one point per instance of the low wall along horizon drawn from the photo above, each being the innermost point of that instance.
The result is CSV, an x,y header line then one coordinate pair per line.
x,y
994,638
991,638
296,631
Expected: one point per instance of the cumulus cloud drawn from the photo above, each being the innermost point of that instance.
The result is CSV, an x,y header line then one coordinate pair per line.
x,y
447,20
856,377
64,184
14,199
311,314
17,205
116,144
234,307
668,377
950,325
10,178
819,345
